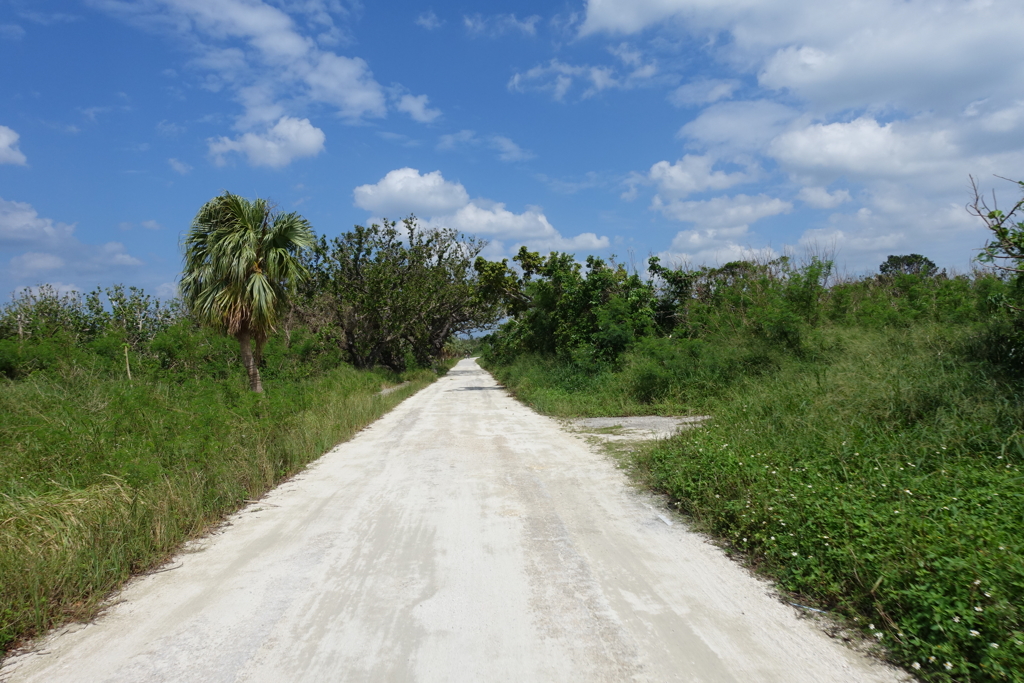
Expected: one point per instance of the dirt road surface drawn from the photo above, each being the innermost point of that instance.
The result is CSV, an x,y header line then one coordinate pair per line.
x,y
462,537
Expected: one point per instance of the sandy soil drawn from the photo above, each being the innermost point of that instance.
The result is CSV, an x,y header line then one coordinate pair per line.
x,y
460,538
636,428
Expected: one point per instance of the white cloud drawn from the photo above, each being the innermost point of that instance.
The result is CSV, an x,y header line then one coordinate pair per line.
x,y
865,147
904,53
21,226
50,18
508,150
32,261
405,190
722,228
345,82
44,246
270,56
890,224
454,140
703,91
428,20
723,213
442,203
691,174
11,32
1004,120
558,77
820,198
416,107
148,225
895,100
739,126
179,166
287,140
500,24
9,152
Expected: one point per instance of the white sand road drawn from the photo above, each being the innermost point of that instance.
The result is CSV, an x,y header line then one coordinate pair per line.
x,y
462,537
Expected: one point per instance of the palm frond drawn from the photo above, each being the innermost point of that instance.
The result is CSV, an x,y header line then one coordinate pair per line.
x,y
241,262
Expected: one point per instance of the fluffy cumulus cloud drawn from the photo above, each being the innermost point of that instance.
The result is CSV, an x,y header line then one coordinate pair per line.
x,y
894,101
912,53
278,146
443,203
21,226
39,249
866,148
721,227
274,58
691,174
406,190
416,107
9,152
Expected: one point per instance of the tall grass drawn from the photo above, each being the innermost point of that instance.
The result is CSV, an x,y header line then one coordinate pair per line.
x,y
101,478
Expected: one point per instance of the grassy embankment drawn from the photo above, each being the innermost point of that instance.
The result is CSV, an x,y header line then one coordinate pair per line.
x,y
873,468
102,477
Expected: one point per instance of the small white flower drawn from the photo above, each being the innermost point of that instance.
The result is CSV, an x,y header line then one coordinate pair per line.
x,y
932,658
916,665
879,634
987,594
974,633
948,665
977,608
994,646
871,627
956,619
976,581
795,554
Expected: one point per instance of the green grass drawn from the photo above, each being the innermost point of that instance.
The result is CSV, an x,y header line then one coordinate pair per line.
x,y
101,478
878,477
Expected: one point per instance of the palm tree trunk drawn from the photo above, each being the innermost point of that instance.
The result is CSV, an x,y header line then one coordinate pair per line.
x,y
245,341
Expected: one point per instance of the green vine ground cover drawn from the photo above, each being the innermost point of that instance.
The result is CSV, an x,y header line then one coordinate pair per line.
x,y
884,484
866,440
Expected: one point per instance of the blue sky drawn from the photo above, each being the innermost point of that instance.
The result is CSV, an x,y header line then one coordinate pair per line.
x,y
699,130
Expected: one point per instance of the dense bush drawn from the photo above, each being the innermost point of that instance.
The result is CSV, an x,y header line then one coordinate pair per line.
x,y
865,441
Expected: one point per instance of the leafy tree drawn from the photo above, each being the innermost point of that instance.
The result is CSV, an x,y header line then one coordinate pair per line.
x,y
242,261
591,315
1006,250
387,294
907,264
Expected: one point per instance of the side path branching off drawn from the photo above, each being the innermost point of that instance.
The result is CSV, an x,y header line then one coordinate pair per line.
x,y
866,444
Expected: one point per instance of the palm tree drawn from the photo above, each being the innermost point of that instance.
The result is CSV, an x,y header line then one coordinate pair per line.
x,y
241,265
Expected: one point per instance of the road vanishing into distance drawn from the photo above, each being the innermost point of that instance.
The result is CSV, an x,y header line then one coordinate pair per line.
x,y
462,537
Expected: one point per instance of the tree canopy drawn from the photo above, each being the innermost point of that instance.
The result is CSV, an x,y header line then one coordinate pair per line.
x,y
908,264
390,295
